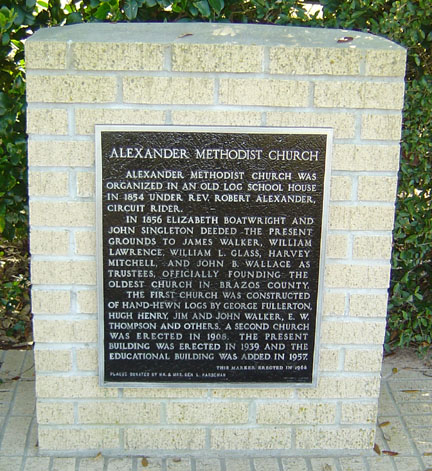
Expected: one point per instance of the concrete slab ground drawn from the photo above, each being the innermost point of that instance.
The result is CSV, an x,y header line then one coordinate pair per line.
x,y
403,442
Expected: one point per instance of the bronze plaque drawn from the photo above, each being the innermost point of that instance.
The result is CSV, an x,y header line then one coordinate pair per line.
x,y
210,253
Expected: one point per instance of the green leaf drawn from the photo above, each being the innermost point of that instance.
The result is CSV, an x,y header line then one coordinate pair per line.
x,y
217,5
74,17
131,9
204,8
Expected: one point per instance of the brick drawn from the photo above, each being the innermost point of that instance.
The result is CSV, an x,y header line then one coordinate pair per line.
x,y
51,301
363,360
85,182
48,183
86,118
314,61
207,413
290,414
87,359
45,55
334,304
49,242
71,89
232,58
85,243
69,214
264,438
341,188
357,276
117,56
52,121
168,90
53,360
372,247
352,333
166,393
250,393
55,413
69,387
361,218
337,246
70,272
165,439
71,439
382,127
342,123
216,118
54,331
374,188
263,92
368,305
338,388
342,438
378,95
99,413
61,153
87,301
328,359
381,63
365,158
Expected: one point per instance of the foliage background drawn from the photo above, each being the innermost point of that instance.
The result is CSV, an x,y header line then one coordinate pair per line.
x,y
408,22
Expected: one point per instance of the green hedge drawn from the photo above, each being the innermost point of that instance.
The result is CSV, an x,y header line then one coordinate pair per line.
x,y
408,22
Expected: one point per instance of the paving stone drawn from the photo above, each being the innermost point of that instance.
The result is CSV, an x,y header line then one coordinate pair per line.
x,y
149,464
92,464
63,464
208,465
352,464
237,464
6,395
10,464
416,408
395,436
323,464
14,439
266,464
32,448
178,464
25,399
294,464
12,363
37,463
120,464
422,438
386,404
405,464
380,463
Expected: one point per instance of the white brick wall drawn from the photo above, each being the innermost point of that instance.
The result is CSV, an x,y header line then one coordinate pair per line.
x,y
152,74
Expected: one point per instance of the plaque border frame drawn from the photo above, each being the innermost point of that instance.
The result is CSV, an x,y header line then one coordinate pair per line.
x,y
99,128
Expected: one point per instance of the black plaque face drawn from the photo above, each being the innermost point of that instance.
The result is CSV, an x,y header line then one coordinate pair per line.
x,y
209,254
